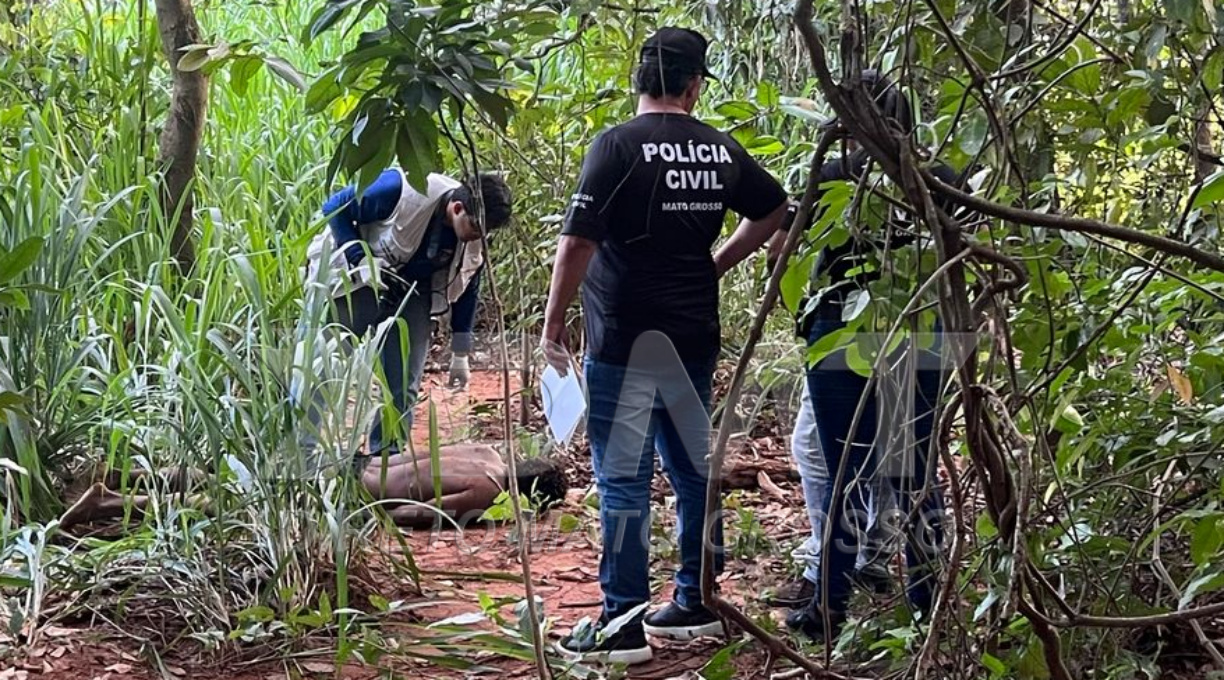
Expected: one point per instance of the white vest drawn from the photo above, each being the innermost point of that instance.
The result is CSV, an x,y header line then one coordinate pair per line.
x,y
393,241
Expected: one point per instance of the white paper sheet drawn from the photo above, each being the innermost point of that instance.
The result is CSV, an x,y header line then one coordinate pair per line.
x,y
564,402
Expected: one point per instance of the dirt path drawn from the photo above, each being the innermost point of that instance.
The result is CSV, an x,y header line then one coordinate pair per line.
x,y
564,558
461,569
566,576
565,554
460,414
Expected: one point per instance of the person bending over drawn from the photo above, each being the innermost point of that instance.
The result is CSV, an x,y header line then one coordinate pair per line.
x,y
398,252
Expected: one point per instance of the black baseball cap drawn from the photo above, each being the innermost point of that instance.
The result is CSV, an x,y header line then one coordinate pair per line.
x,y
678,47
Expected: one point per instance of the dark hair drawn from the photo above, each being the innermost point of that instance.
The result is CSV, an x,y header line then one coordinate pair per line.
x,y
666,81
891,101
495,195
543,480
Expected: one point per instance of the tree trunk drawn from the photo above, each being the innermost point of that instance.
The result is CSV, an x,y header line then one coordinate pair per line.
x,y
180,138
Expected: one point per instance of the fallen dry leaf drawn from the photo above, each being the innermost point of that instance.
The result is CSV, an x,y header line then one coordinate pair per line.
x,y
319,667
57,631
120,668
175,670
1181,384
58,652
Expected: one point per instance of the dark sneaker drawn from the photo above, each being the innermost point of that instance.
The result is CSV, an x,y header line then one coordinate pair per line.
x,y
794,594
676,622
810,622
873,577
627,645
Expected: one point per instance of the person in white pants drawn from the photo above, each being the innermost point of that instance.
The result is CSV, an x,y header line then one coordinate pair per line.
x,y
871,567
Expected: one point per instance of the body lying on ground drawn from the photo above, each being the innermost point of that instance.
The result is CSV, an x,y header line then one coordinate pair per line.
x,y
470,478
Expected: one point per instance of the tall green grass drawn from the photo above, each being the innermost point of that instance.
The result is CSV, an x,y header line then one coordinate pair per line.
x,y
123,361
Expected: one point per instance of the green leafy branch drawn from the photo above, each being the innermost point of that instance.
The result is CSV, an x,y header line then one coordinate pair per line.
x,y
424,60
13,297
245,58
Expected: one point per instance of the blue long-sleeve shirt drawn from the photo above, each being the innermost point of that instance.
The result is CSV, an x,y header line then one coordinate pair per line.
x,y
463,316
347,213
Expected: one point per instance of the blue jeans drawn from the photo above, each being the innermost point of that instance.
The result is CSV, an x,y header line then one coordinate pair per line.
x,y
633,413
818,484
835,392
361,311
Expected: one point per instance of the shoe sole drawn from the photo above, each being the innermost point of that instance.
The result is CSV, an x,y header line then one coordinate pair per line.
x,y
629,657
684,633
774,603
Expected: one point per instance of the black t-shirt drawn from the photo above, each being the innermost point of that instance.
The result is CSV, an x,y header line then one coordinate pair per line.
x,y
654,192
841,260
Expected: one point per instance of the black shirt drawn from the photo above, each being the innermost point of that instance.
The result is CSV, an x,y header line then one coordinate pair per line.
x,y
654,193
839,261
436,250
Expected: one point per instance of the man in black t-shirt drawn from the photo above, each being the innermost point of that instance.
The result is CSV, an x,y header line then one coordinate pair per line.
x,y
870,570
878,441
649,206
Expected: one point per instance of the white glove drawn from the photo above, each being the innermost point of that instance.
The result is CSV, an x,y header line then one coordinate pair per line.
x,y
460,372
367,271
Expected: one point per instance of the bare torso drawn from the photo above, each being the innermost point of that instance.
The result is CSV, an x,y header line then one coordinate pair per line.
x,y
470,477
